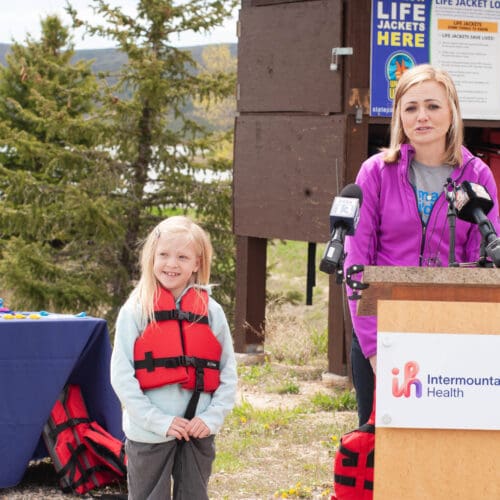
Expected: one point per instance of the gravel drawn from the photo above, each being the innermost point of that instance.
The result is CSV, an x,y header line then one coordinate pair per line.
x,y
40,482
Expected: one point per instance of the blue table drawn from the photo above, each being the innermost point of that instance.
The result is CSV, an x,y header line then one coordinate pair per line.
x,y
37,358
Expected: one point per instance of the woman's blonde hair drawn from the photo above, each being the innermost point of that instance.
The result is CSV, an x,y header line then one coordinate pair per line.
x,y
172,227
454,138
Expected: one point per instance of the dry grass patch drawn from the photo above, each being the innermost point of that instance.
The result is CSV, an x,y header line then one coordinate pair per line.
x,y
280,440
292,459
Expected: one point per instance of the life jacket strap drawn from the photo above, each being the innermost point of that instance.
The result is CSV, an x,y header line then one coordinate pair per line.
x,y
74,464
199,363
345,480
351,457
150,363
71,422
115,462
180,316
199,388
351,481
193,403
86,472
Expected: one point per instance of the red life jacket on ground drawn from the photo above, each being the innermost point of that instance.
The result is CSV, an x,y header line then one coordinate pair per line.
x,y
353,466
84,455
179,347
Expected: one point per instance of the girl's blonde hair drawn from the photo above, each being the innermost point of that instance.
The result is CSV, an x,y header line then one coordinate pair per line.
x,y
172,227
454,138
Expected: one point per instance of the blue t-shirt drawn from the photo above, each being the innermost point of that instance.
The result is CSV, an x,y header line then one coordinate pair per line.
x,y
428,183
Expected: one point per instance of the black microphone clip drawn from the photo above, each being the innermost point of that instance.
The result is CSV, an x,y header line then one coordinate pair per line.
x,y
355,285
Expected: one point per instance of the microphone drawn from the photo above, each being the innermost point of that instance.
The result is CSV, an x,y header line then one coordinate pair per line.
x,y
344,218
473,203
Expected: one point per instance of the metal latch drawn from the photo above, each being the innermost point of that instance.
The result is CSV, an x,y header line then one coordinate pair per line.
x,y
339,51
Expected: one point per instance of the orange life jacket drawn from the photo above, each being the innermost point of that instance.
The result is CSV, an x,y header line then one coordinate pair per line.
x,y
84,454
179,347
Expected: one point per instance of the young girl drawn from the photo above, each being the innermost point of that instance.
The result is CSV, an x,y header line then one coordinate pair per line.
x,y
173,366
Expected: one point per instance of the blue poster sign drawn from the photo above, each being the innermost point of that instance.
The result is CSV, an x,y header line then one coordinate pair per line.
x,y
399,41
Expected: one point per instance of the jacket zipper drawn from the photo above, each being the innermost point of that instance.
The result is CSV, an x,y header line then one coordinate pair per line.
x,y
422,225
422,246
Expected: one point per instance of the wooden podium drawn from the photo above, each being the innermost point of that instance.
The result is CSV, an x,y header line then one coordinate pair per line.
x,y
434,464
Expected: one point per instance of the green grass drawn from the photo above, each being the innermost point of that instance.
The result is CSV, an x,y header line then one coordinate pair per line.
x,y
345,401
254,374
287,272
288,387
277,452
280,439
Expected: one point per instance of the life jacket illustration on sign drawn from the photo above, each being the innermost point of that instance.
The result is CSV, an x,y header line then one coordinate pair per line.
x,y
84,454
179,347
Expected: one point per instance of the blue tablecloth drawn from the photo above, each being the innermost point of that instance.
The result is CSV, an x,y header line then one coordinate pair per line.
x,y
37,358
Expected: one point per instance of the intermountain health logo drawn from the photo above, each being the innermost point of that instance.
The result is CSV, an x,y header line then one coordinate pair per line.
x,y
409,379
436,386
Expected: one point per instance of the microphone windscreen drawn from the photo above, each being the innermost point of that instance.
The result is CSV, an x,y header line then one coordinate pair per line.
x,y
345,209
470,198
352,191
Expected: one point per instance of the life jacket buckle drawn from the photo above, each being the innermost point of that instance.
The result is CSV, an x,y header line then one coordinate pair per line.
x,y
184,315
188,360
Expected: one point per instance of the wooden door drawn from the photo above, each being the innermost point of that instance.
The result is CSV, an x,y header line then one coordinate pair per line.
x,y
284,55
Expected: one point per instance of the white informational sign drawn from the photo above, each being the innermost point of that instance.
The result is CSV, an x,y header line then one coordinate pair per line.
x,y
438,381
465,40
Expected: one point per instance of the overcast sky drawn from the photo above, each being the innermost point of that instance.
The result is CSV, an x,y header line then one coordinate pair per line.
x,y
19,17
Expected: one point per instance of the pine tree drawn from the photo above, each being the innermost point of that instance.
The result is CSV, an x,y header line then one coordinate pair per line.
x,y
87,168
57,222
162,154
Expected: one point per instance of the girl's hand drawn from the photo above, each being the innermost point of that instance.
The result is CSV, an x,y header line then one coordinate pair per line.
x,y
197,428
373,362
178,427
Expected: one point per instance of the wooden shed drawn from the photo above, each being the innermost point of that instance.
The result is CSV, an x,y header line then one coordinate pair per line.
x,y
302,131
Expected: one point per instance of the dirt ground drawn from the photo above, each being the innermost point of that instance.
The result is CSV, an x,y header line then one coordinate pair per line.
x,y
293,462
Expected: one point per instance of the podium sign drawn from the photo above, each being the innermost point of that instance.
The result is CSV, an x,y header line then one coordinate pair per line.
x,y
425,456
423,381
429,463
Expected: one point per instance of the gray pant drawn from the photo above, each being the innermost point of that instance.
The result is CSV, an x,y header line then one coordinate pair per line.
x,y
151,467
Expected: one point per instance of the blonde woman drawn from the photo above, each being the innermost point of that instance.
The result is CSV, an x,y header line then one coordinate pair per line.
x,y
403,219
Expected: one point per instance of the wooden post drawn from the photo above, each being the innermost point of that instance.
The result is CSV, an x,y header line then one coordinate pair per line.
x,y
250,294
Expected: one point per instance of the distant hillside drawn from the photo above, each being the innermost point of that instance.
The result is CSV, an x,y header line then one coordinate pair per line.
x,y
4,47
112,59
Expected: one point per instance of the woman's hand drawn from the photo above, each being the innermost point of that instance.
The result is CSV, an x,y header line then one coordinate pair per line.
x,y
373,362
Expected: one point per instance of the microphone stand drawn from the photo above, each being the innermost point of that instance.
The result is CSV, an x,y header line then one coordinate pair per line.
x,y
483,256
450,190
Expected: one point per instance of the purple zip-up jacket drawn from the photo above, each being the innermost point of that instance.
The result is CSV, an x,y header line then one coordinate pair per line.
x,y
391,233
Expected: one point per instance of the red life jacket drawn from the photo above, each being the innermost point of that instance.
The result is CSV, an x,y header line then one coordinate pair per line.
x,y
84,455
179,347
353,465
